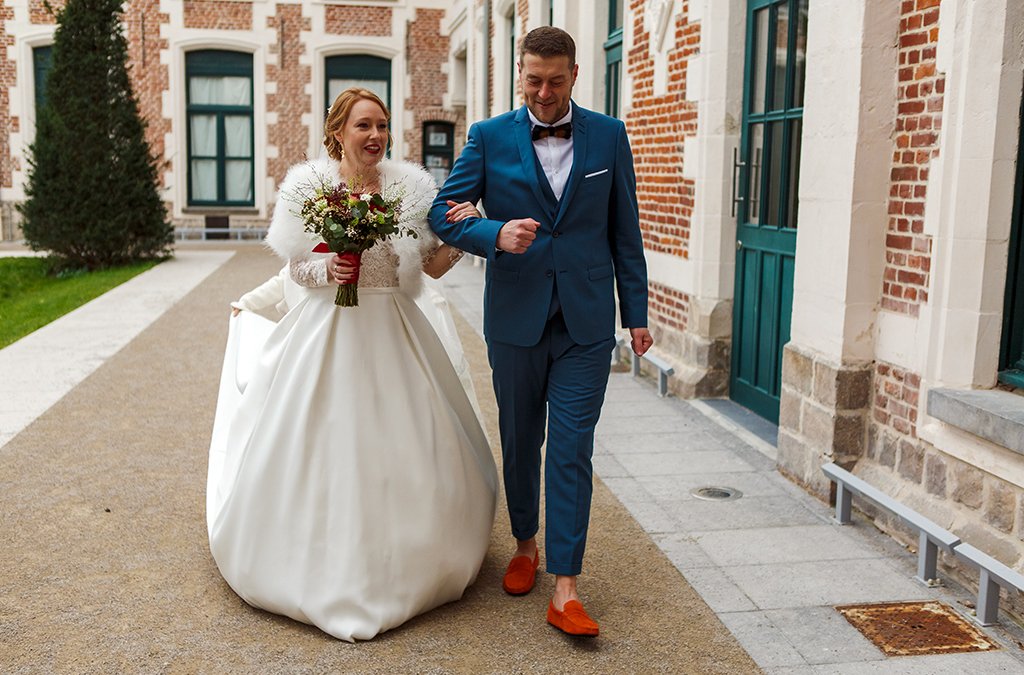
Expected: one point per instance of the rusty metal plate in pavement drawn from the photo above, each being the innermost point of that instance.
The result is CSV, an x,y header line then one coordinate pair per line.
x,y
916,628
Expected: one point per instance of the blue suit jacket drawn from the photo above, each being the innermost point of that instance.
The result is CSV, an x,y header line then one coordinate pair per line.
x,y
589,241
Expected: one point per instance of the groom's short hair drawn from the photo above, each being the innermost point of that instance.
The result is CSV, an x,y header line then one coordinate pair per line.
x,y
548,41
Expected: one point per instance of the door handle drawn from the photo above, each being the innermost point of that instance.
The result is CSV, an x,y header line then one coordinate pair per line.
x,y
739,244
737,166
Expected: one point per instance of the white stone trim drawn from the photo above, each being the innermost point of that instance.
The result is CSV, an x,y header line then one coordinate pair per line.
x,y
670,270
850,108
974,189
22,100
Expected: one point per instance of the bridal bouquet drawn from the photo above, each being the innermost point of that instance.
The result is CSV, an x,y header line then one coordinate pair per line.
x,y
350,222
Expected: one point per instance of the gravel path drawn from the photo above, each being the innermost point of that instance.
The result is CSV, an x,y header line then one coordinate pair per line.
x,y
105,566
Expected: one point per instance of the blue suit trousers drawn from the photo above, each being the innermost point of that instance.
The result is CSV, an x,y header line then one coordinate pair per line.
x,y
569,380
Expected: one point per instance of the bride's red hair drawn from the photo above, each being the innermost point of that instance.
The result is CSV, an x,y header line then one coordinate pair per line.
x,y
338,115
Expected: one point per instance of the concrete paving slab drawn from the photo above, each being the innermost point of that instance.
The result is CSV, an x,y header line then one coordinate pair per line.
x,y
770,545
666,464
678,487
683,550
39,369
823,635
652,517
718,590
696,515
675,442
811,584
606,466
978,663
765,643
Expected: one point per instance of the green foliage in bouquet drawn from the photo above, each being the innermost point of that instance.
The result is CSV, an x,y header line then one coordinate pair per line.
x,y
92,182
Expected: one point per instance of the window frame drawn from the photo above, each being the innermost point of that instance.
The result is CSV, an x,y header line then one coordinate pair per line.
x,y
356,67
1011,351
613,62
223,63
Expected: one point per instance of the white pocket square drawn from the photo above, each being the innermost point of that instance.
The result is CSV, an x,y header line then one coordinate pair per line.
x,y
596,173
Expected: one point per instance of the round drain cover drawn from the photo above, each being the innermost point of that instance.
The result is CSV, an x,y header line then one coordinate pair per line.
x,y
717,494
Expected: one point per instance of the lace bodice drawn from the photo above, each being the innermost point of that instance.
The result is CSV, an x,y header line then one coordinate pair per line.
x,y
378,267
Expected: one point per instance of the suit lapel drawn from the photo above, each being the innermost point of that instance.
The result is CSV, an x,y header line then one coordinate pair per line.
x,y
579,158
527,156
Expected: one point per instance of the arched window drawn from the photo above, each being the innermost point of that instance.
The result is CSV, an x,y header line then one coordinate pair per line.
x,y
219,102
356,70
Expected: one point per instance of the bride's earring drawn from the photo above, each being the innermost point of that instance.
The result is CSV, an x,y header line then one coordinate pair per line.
x,y
343,152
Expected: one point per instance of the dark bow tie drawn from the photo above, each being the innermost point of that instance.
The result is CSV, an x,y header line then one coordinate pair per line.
x,y
561,131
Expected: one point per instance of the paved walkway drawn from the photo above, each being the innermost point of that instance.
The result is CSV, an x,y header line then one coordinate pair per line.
x,y
771,564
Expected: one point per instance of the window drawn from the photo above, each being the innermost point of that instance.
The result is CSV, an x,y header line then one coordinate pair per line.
x,y
551,12
438,149
1011,355
42,61
357,70
219,97
613,58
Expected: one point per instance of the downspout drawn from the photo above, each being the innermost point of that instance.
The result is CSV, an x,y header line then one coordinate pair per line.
x,y
487,60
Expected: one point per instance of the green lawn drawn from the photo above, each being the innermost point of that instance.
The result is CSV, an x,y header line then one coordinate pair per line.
x,y
30,298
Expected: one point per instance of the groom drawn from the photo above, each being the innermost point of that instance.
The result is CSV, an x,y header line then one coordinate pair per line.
x,y
561,234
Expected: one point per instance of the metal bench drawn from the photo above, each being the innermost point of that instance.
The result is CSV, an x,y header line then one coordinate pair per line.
x,y
203,233
991,575
664,369
931,537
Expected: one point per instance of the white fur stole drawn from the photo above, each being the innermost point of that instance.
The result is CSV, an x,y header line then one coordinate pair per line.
x,y
288,238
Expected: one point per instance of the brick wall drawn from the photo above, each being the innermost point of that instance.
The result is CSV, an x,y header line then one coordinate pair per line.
x,y
341,20
919,115
149,78
657,125
38,13
896,395
290,101
427,51
218,14
8,79
668,307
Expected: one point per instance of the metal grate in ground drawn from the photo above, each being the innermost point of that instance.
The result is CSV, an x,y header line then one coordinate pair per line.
x,y
916,628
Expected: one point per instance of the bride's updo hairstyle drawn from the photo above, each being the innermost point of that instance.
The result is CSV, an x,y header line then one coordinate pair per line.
x,y
338,114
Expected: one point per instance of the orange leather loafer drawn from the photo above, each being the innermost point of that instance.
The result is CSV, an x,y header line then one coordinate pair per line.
x,y
521,575
573,619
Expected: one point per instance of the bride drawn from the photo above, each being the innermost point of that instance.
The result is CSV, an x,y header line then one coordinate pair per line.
x,y
351,486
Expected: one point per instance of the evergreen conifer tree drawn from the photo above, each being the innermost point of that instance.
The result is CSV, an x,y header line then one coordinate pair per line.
x,y
92,183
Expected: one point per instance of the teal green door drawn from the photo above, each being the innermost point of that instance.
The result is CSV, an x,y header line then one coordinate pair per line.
x,y
768,174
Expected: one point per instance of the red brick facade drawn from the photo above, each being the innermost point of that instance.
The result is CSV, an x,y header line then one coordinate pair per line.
x,y
8,78
427,52
342,20
218,14
149,77
668,307
919,116
896,394
38,13
291,101
657,125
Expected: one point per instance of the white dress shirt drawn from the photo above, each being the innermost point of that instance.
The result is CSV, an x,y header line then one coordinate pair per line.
x,y
555,154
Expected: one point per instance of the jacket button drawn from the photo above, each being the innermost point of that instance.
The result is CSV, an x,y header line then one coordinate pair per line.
x,y
555,234
549,273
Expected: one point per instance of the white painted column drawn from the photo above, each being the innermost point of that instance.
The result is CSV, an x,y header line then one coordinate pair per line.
x,y
850,105
970,200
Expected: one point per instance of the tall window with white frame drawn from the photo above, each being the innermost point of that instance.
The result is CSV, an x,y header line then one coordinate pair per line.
x,y
613,58
551,12
1011,355
219,105
42,61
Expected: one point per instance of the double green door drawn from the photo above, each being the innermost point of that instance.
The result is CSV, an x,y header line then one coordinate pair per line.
x,y
766,179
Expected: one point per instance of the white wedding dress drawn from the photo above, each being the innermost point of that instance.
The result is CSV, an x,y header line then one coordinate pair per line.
x,y
351,485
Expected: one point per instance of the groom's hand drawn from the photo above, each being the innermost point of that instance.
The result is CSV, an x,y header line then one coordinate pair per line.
x,y
515,236
641,340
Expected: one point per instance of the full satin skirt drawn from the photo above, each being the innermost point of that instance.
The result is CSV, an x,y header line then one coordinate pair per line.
x,y
350,484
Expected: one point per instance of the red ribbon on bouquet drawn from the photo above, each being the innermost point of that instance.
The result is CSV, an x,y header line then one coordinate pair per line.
x,y
353,259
